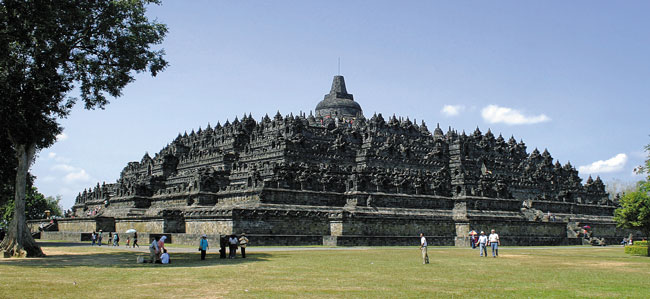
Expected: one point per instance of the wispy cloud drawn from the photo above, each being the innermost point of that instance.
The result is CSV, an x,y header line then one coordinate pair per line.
x,y
452,110
613,164
495,114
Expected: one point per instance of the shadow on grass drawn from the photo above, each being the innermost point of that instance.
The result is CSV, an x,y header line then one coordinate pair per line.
x,y
125,259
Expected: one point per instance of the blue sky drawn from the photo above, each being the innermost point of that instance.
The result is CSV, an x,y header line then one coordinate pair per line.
x,y
573,77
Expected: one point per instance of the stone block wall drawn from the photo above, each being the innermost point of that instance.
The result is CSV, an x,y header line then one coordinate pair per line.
x,y
212,226
77,225
284,225
141,225
393,226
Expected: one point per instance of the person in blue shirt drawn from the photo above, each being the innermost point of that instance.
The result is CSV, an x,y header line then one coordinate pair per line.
x,y
203,246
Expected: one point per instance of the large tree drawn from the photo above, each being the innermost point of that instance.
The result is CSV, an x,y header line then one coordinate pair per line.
x,y
47,49
634,212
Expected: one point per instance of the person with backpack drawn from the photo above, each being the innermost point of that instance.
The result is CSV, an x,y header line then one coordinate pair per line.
x,y
116,240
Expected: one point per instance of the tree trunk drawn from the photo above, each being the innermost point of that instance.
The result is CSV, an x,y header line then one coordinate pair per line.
x,y
19,241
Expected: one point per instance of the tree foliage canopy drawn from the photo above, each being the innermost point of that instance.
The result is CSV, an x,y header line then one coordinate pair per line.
x,y
35,206
47,49
634,212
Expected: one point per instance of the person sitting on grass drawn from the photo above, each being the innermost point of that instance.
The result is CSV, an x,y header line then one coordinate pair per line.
x,y
164,258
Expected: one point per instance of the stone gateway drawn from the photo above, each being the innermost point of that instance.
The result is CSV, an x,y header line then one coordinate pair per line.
x,y
339,178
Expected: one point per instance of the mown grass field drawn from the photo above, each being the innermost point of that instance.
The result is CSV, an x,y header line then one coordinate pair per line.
x,y
561,272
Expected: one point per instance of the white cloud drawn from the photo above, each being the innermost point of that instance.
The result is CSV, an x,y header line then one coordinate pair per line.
x,y
613,164
452,110
72,174
61,137
495,114
77,176
51,155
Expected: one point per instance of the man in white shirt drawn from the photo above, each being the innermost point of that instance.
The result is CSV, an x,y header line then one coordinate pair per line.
x,y
233,246
423,248
482,243
493,240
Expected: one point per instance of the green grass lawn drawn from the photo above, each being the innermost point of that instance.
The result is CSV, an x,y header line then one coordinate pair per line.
x,y
92,272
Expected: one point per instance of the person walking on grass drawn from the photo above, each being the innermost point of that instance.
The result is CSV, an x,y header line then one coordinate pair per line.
x,y
482,243
423,249
153,250
243,241
203,246
93,238
494,242
135,240
99,238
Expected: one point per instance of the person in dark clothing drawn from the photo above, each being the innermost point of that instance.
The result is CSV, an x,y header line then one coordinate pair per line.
x,y
135,240
223,242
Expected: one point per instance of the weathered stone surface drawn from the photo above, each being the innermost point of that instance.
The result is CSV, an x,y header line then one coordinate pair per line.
x,y
352,179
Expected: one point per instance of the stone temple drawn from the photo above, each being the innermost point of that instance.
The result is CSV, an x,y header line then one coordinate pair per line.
x,y
337,177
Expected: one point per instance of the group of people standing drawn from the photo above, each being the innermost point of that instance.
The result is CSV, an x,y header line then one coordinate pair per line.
x,y
482,243
96,238
232,242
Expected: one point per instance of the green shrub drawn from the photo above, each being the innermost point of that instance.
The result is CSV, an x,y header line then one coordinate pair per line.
x,y
641,243
636,250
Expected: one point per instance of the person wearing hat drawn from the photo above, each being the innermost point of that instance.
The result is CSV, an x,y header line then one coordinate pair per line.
x,y
203,246
482,244
243,241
